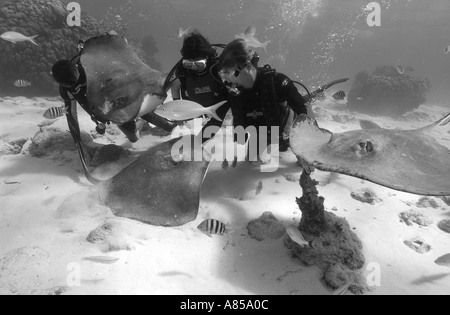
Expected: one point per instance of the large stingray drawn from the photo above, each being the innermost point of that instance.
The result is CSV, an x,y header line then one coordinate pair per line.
x,y
158,188
405,160
120,86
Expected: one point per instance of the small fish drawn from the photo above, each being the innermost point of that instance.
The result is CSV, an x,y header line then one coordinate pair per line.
x,y
359,99
250,38
447,50
400,69
259,188
182,33
212,227
55,112
182,110
15,38
106,260
443,261
225,164
339,96
21,83
297,236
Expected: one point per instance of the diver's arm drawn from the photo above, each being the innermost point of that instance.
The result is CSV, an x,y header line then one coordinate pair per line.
x,y
176,90
296,101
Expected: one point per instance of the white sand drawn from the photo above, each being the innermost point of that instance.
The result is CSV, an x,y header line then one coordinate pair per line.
x,y
51,208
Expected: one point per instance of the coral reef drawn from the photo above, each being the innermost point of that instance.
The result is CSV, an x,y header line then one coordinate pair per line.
x,y
418,245
56,40
427,202
411,217
387,92
332,241
366,196
266,227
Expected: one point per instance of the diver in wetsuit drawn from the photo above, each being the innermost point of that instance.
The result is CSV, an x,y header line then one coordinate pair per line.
x,y
71,77
267,98
197,77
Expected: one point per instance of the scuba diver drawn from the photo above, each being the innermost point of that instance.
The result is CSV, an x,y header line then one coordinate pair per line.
x,y
266,98
71,77
197,79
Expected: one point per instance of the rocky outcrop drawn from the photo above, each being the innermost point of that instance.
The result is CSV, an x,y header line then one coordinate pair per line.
x,y
266,227
56,40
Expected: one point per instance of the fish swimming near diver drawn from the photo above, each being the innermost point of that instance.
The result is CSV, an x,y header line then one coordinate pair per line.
x,y
106,260
340,96
443,261
212,227
55,112
297,236
250,38
21,83
15,38
182,110
182,33
405,160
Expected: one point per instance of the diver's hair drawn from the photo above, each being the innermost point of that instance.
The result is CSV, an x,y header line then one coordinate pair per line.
x,y
195,45
65,73
237,54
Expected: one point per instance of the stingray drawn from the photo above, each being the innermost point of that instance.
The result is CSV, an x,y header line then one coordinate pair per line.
x,y
159,188
406,160
120,86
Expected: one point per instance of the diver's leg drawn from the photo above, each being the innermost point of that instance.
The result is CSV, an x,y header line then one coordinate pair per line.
x,y
160,122
285,129
130,131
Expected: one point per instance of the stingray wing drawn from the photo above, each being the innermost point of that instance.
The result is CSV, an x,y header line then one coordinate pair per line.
x,y
117,79
158,189
407,161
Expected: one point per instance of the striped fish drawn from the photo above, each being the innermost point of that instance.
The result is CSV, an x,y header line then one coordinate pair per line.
x,y
339,96
21,83
55,112
212,227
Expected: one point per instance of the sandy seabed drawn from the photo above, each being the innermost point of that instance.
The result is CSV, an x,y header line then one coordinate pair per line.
x,y
48,210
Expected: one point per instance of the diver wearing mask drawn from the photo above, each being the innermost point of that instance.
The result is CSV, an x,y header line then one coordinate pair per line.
x,y
197,78
266,98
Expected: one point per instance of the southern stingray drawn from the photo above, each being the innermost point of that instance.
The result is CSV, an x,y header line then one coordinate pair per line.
x,y
121,87
160,187
406,160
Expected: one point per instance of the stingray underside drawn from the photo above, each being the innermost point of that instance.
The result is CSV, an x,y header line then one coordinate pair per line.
x,y
158,188
117,79
404,160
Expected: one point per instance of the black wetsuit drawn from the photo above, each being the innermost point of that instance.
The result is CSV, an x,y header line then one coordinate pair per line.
x,y
205,88
269,103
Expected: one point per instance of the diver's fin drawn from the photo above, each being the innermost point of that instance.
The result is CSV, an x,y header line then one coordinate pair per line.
x,y
212,111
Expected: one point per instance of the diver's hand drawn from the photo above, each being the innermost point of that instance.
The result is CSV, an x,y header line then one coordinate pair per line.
x,y
306,167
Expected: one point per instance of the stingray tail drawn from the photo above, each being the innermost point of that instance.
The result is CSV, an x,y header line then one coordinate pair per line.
x,y
444,121
88,174
212,111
